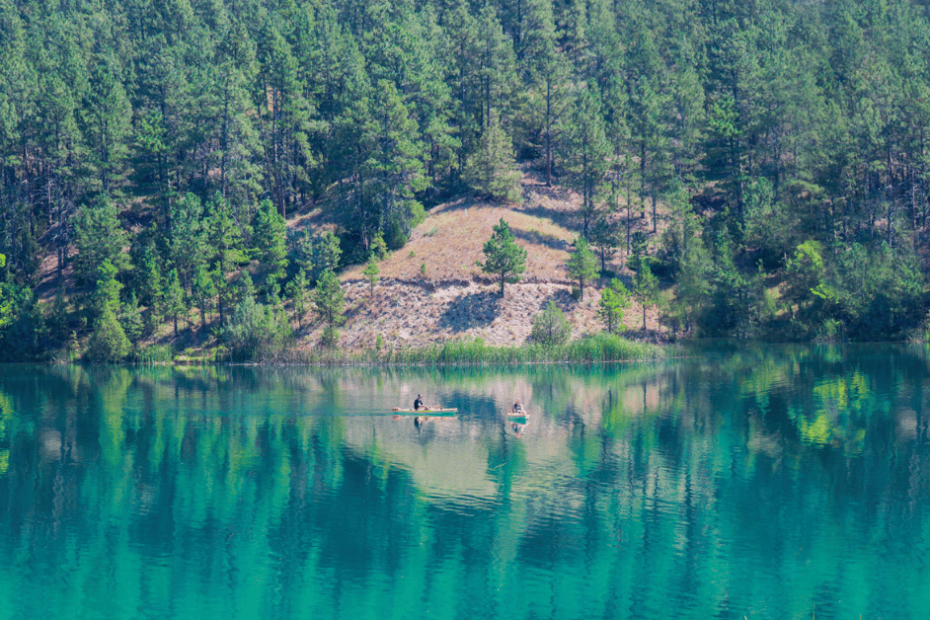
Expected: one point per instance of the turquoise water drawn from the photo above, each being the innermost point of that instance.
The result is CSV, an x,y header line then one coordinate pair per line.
x,y
741,482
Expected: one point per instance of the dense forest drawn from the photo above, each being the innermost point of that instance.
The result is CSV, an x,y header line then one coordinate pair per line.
x,y
777,150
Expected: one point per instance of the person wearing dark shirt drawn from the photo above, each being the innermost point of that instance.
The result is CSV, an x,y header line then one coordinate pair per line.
x,y
418,403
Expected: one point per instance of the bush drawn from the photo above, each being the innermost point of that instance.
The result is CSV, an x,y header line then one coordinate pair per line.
x,y
330,337
255,331
108,343
550,327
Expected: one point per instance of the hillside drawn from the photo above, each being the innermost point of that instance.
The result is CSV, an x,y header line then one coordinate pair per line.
x,y
455,299
152,155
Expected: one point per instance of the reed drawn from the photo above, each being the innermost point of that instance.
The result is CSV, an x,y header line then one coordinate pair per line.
x,y
598,348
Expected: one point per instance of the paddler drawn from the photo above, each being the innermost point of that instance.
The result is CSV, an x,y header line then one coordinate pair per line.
x,y
517,407
418,403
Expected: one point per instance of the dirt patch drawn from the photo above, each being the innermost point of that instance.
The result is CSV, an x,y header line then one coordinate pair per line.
x,y
410,315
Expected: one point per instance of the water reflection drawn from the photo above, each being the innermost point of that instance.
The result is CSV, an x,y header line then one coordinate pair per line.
x,y
750,481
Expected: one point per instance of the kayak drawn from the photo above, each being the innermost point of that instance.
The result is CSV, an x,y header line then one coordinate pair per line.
x,y
446,411
518,418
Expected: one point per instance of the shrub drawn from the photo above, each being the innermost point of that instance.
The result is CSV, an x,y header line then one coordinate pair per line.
x,y
550,327
108,343
255,331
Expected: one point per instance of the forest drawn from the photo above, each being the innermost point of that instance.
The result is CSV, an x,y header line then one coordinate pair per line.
x,y
776,150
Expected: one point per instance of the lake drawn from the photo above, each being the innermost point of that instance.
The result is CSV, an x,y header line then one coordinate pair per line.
x,y
737,481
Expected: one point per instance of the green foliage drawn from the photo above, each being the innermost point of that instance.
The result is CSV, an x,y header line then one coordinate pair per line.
x,y
131,319
98,237
645,289
598,348
269,241
329,298
604,237
329,338
203,292
173,299
491,170
106,289
371,272
187,237
298,290
326,253
503,257
551,327
614,300
255,332
766,132
582,265
379,249
108,342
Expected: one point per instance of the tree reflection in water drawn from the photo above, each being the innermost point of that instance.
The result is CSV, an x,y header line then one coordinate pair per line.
x,y
751,481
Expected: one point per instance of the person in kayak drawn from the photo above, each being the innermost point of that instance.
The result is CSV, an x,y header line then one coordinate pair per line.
x,y
418,403
517,407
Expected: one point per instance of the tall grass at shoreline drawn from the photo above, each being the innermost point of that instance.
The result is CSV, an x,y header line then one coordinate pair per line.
x,y
597,348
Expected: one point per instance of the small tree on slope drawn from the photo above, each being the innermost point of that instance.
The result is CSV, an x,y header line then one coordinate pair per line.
x,y
503,257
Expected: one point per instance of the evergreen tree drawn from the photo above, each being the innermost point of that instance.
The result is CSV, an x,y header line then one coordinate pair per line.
x,y
379,248
131,319
503,257
327,254
604,237
204,291
98,237
173,299
614,300
298,290
329,301
107,116
491,170
582,265
269,240
645,289
187,238
106,289
587,150
548,71
371,273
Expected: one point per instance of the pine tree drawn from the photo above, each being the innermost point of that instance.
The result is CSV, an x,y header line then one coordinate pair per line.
x,y
131,319
645,289
379,248
204,291
106,289
605,239
614,300
371,273
173,299
503,257
587,149
548,71
327,254
269,240
98,237
298,290
187,238
582,265
329,301
491,169
107,116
